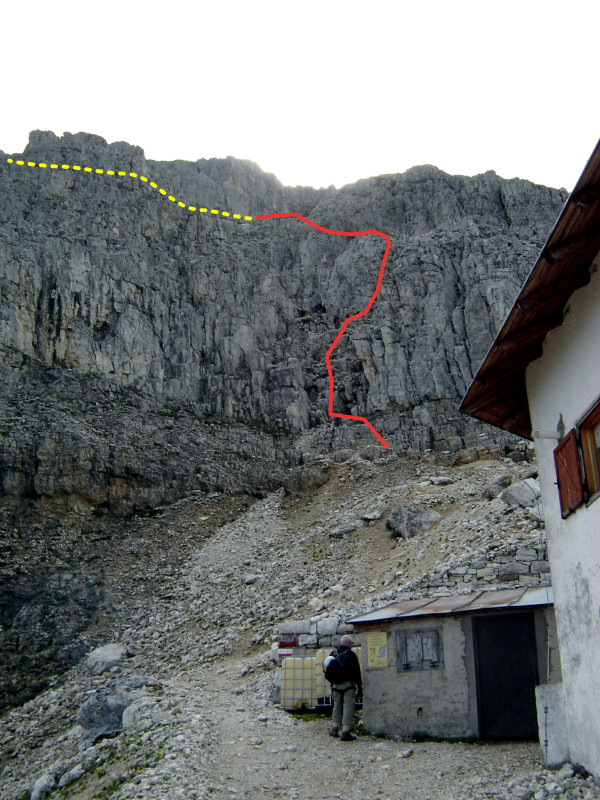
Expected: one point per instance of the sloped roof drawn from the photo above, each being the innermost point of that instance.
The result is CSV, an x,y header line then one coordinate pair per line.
x,y
460,604
498,393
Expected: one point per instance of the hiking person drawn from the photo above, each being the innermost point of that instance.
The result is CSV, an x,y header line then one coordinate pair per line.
x,y
346,685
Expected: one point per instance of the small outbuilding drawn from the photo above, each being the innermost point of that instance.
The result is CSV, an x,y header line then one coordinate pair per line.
x,y
464,666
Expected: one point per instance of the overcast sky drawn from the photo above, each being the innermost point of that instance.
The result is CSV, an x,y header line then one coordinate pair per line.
x,y
319,93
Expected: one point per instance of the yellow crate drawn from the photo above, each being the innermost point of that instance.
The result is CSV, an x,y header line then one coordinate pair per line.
x,y
303,681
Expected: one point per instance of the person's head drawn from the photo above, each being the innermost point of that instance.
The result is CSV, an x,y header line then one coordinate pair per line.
x,y
346,641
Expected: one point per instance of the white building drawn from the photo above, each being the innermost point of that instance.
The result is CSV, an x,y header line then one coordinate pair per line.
x,y
541,380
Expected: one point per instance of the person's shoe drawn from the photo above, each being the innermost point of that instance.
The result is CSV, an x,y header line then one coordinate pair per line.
x,y
347,737
333,731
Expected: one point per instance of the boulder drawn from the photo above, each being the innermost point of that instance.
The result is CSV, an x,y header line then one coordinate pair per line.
x,y
494,488
408,520
143,713
71,776
523,493
565,772
42,787
518,456
103,658
342,530
101,716
307,640
75,732
295,626
133,682
536,513
343,628
373,515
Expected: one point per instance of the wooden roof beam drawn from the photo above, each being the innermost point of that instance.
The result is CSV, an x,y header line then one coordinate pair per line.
x,y
508,368
528,302
574,244
487,394
528,333
588,196
519,422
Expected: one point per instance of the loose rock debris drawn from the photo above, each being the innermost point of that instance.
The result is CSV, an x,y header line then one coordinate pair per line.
x,y
195,672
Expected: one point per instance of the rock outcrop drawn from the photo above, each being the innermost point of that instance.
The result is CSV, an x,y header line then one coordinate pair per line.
x,y
115,298
406,521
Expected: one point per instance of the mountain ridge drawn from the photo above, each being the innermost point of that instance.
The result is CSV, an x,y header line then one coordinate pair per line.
x,y
111,280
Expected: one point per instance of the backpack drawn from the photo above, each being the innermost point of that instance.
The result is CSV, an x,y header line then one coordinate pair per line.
x,y
334,669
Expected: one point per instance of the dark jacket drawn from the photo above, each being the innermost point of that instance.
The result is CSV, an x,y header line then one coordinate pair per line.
x,y
349,659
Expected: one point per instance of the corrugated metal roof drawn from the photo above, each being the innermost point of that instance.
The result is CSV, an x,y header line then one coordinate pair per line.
x,y
504,597
460,604
537,596
397,609
498,393
442,605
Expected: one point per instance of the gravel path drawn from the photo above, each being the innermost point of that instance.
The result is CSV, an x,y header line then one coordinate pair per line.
x,y
264,752
211,732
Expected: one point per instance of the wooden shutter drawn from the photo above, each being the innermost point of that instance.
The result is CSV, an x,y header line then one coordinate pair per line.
x,y
430,647
419,650
568,473
401,662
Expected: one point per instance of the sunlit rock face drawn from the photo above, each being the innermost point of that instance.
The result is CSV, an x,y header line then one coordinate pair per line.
x,y
147,350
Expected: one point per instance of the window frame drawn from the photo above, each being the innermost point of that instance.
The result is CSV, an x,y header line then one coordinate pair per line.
x,y
577,463
589,449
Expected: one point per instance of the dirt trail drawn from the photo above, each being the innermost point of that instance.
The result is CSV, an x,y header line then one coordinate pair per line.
x,y
261,751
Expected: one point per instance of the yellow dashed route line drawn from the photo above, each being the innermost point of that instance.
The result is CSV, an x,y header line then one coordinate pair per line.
x,y
121,174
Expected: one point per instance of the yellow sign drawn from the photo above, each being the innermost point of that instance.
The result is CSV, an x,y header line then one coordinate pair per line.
x,y
377,652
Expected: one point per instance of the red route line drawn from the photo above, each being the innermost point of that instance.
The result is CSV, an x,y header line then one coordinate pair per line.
x,y
362,313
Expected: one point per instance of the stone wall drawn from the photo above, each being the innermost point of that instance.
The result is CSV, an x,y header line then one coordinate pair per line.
x,y
323,630
518,562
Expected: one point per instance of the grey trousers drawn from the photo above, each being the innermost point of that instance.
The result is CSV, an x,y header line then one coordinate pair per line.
x,y
344,701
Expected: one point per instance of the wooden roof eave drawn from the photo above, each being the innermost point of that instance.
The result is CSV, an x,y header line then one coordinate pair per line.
x,y
562,267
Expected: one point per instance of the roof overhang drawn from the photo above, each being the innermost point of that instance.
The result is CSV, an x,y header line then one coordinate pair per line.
x,y
498,394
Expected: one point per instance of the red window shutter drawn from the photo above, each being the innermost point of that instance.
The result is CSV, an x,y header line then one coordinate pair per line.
x,y
568,472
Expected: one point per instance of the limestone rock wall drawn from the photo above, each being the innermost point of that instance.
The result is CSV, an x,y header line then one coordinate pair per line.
x,y
104,279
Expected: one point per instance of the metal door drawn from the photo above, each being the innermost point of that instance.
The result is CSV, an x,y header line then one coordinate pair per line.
x,y
506,674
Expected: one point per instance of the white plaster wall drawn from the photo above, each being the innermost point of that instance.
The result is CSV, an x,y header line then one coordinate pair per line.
x,y
566,380
552,724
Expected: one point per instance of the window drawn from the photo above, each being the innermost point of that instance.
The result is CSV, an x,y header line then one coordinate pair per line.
x,y
419,650
589,428
577,461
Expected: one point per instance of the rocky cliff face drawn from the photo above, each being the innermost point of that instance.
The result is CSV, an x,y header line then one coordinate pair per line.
x,y
148,353
111,291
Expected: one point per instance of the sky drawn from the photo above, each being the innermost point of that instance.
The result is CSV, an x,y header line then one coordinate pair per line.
x,y
319,93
